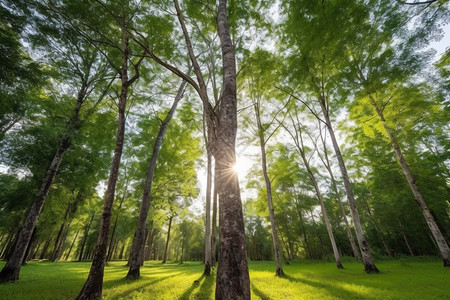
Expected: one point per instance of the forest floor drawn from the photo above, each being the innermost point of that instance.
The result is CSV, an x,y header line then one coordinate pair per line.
x,y
416,278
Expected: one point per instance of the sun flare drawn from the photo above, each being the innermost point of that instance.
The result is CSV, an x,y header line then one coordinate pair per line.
x,y
242,166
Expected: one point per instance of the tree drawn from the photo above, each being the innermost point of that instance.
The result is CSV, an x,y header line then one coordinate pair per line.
x,y
318,61
136,256
232,275
87,79
260,68
381,83
297,135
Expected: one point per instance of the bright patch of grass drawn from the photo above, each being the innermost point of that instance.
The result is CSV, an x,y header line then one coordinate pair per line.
x,y
401,279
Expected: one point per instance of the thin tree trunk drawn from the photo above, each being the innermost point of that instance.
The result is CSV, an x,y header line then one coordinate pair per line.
x,y
367,258
92,289
207,259
60,233
71,245
182,250
377,229
30,246
214,223
319,236
298,140
434,228
136,256
86,234
348,229
167,241
10,271
45,249
305,238
262,143
108,256
150,239
7,243
207,270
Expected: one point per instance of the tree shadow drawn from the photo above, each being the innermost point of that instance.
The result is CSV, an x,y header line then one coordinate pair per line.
x,y
259,293
140,287
194,285
331,289
206,288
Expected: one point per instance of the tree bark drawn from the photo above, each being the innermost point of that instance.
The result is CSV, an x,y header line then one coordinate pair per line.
x,y
167,241
10,271
214,223
233,280
136,255
434,228
369,265
262,143
207,270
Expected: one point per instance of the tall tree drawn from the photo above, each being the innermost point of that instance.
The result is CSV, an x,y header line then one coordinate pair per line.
x,y
136,256
260,67
232,275
87,79
297,135
92,288
317,62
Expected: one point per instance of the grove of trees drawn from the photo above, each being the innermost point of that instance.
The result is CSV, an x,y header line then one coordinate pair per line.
x,y
121,123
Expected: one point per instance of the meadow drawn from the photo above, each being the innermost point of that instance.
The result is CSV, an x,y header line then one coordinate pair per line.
x,y
419,278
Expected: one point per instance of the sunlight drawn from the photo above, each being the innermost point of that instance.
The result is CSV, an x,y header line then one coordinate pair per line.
x,y
242,166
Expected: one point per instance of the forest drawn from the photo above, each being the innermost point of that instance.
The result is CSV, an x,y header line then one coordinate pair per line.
x,y
228,133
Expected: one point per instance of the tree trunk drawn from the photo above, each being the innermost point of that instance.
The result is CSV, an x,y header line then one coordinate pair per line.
x,y
434,228
319,236
233,280
33,241
150,239
302,223
60,233
92,289
167,241
86,234
348,229
45,249
377,229
207,270
136,256
214,223
298,140
71,245
367,259
10,271
262,143
108,256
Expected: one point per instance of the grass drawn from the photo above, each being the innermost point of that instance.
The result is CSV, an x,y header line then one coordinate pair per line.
x,y
400,279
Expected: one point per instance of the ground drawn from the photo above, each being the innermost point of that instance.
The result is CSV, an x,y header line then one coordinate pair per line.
x,y
419,278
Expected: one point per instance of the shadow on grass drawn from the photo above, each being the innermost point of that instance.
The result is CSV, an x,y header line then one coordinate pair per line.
x,y
124,294
206,288
194,285
259,293
331,289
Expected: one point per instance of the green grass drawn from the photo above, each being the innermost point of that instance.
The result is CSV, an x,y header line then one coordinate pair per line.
x,y
400,279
